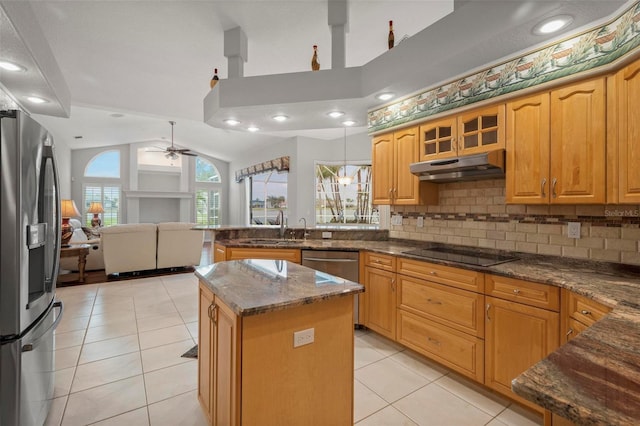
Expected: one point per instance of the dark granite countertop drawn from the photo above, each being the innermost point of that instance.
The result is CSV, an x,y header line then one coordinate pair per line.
x,y
255,286
594,379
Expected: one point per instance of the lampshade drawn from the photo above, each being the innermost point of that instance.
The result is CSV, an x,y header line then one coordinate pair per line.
x,y
68,209
95,207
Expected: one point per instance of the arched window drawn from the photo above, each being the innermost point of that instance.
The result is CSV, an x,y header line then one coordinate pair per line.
x,y
208,185
102,185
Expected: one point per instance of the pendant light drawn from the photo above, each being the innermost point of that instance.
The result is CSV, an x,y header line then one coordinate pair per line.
x,y
345,180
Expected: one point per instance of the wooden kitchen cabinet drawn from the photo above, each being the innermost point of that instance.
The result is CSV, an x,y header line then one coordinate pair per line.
x,y
239,253
624,145
380,293
556,146
392,181
219,253
218,379
578,313
517,335
472,132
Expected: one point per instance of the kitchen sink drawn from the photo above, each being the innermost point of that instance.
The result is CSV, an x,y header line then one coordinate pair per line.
x,y
269,242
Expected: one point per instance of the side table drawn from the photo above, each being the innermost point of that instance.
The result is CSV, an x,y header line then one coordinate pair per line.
x,y
79,250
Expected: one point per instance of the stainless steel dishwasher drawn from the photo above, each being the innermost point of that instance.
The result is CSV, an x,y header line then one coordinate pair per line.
x,y
343,264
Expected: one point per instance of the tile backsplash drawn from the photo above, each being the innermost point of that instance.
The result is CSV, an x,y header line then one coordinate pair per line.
x,y
475,214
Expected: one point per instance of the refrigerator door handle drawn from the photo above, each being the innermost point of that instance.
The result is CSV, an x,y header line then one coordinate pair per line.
x,y
48,154
27,347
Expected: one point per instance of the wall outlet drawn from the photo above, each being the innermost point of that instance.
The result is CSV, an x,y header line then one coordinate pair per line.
x,y
303,337
396,219
420,222
573,229
326,234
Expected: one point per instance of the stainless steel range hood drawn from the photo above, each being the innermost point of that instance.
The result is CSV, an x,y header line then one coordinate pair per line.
x,y
488,165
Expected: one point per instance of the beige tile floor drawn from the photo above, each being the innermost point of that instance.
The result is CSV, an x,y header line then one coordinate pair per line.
x,y
118,362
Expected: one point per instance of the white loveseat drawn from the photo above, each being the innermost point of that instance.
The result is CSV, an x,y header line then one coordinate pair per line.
x,y
145,246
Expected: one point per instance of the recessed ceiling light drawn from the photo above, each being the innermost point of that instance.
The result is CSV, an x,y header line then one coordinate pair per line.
x,y
36,100
335,114
11,66
348,122
253,128
231,122
385,96
553,24
280,117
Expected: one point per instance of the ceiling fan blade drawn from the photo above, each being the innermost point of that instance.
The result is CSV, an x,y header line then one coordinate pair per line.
x,y
191,154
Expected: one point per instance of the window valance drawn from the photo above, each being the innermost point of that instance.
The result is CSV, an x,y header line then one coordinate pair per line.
x,y
280,164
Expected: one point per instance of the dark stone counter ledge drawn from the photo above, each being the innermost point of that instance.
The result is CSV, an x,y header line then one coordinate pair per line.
x,y
255,286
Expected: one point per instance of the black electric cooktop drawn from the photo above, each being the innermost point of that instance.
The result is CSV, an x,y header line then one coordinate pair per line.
x,y
467,256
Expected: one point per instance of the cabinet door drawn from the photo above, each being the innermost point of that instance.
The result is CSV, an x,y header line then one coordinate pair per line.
x,y
205,343
226,370
528,150
578,130
219,253
407,185
516,337
382,165
481,130
438,139
628,82
380,290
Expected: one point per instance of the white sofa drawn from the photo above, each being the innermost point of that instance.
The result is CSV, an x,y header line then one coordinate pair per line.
x,y
178,245
95,259
145,246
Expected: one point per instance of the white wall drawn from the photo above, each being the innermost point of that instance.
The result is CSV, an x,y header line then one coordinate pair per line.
x,y
303,153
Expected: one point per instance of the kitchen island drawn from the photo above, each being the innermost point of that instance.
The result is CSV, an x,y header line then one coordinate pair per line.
x,y
275,344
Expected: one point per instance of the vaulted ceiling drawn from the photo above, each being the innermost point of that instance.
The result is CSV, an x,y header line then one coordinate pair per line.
x,y
131,66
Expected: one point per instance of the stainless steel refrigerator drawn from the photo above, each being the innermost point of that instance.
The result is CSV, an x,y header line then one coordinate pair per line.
x,y
29,256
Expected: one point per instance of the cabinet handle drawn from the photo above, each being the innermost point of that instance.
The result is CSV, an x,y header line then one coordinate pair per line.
x,y
569,332
214,316
434,341
434,302
209,311
585,312
553,187
516,291
433,273
393,284
543,184
487,311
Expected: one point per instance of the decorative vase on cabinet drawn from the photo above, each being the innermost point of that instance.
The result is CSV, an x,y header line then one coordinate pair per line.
x,y
315,65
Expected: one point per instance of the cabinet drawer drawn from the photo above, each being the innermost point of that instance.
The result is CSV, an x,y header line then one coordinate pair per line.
x,y
455,277
380,261
585,310
235,253
459,351
532,294
459,309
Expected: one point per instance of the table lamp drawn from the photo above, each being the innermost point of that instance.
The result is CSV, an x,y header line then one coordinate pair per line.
x,y
68,210
96,208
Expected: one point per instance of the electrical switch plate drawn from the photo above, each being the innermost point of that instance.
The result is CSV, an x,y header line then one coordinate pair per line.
x,y
326,234
573,229
420,222
303,337
396,219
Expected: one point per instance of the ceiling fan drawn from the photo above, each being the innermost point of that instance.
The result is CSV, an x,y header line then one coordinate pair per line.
x,y
172,152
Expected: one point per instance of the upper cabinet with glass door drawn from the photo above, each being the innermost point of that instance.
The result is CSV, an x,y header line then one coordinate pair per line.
x,y
476,131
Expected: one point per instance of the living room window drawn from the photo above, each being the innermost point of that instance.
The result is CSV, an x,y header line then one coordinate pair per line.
x,y
344,205
102,184
208,186
268,195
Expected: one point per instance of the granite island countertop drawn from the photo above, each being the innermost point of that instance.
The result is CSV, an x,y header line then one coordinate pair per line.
x,y
255,286
594,379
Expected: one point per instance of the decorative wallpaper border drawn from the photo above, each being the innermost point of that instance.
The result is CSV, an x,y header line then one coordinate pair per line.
x,y
583,52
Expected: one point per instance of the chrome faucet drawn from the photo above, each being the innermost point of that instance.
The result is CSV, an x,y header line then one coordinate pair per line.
x,y
281,219
305,234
